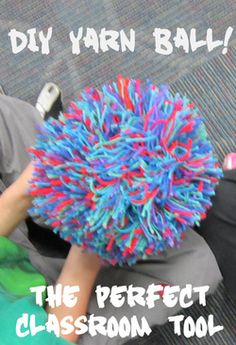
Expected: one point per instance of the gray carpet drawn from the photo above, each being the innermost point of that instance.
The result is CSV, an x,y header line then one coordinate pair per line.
x,y
207,78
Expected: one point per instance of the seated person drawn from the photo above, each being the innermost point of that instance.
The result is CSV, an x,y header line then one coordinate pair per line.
x,y
192,263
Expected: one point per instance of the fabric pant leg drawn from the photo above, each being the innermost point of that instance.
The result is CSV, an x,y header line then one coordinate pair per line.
x,y
18,127
193,263
219,229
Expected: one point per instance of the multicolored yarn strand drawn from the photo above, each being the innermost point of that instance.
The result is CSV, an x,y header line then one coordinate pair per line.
x,y
124,171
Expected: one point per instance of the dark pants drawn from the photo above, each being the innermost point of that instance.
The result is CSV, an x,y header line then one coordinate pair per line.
x,y
219,229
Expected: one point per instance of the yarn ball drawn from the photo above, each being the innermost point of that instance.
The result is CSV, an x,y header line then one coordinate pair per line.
x,y
125,171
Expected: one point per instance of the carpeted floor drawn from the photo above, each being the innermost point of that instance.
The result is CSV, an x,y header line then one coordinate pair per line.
x,y
207,78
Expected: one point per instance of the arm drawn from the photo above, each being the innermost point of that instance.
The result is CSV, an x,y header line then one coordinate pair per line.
x,y
81,269
14,202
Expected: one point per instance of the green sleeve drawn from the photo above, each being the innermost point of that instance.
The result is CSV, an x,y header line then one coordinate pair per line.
x,y
17,275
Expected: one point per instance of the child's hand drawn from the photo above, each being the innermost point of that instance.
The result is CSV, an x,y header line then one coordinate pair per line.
x,y
80,268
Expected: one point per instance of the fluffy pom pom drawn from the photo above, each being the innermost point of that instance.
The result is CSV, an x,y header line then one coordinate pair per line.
x,y
125,171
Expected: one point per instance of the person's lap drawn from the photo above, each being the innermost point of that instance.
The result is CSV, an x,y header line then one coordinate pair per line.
x,y
193,263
